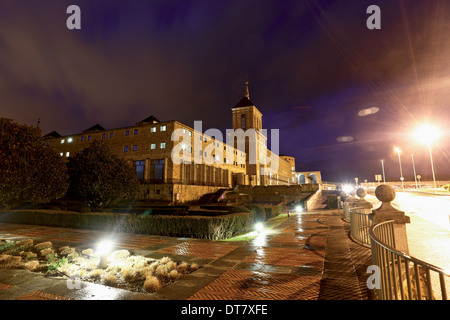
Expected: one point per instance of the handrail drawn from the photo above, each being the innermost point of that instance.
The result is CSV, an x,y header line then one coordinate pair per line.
x,y
398,280
360,222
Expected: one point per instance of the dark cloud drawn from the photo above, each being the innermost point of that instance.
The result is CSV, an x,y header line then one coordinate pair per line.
x,y
312,65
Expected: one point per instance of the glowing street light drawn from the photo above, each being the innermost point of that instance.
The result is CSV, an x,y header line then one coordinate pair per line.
x,y
429,134
400,163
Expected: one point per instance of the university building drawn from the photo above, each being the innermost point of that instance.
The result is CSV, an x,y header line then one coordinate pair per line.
x,y
148,145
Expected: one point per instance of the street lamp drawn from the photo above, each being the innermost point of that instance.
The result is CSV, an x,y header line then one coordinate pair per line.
x,y
382,167
414,168
400,163
429,134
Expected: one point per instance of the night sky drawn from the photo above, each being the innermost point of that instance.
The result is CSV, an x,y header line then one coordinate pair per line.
x,y
315,70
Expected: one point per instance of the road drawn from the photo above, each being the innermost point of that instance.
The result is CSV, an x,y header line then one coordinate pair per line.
x,y
429,230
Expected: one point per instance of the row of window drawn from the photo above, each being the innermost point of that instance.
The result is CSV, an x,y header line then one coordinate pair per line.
x,y
162,145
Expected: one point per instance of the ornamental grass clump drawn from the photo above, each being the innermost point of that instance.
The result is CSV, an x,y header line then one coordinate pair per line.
x,y
152,284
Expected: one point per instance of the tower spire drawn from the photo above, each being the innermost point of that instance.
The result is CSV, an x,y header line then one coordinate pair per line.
x,y
247,94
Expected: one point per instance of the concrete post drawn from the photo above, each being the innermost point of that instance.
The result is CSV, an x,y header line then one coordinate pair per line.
x,y
362,203
386,194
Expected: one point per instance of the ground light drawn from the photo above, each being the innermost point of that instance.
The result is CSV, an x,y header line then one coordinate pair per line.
x,y
298,209
104,248
259,227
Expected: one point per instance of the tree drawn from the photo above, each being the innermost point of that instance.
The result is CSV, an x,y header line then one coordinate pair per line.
x,y
98,177
29,171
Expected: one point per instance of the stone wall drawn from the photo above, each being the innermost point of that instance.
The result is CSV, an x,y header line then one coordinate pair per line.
x,y
175,193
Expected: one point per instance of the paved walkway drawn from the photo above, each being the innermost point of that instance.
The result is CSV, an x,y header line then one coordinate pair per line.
x,y
307,257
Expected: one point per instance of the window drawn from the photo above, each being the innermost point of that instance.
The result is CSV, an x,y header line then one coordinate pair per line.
x,y
158,169
67,154
140,168
153,129
127,133
82,139
61,154
125,149
69,140
190,133
135,147
135,132
89,138
104,136
162,145
163,128
62,141
153,146
244,121
111,135
184,131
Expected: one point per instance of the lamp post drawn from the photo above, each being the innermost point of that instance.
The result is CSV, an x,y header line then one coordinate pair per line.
x,y
400,163
382,167
414,168
432,168
429,134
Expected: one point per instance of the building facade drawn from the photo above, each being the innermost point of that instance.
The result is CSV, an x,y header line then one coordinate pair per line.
x,y
149,147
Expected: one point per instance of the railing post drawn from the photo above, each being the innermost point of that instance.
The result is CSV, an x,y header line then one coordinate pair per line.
x,y
386,194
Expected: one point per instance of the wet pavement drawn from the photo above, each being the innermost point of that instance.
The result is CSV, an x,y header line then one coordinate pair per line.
x,y
308,256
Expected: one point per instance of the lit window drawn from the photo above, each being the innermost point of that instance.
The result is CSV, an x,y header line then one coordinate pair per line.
x,y
67,154
153,129
69,140
125,149
163,145
62,141
135,147
163,128
153,146
61,154
184,131
190,133
183,147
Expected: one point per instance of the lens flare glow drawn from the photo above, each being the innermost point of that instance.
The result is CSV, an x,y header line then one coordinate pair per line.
x,y
427,133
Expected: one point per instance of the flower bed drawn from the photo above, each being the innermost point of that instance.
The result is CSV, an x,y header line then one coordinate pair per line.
x,y
123,270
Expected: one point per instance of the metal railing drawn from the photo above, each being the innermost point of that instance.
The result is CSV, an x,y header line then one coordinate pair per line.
x,y
360,222
402,277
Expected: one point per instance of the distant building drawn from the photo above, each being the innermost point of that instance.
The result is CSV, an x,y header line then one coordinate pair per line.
x,y
148,146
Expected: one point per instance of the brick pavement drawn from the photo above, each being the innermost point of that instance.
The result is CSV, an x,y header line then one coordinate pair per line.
x,y
307,257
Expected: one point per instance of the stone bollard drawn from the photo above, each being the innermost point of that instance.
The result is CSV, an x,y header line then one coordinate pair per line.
x,y
362,203
386,194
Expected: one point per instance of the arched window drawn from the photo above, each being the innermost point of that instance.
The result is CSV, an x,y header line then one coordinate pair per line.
x,y
244,122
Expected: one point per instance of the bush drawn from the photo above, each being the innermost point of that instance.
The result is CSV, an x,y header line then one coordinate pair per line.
x,y
215,228
98,177
258,211
29,172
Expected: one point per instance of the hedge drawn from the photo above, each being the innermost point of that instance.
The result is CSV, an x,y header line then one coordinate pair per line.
x,y
264,213
203,227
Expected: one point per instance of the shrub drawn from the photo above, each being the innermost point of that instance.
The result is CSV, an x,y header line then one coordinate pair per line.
x,y
258,211
30,172
152,284
215,228
99,177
